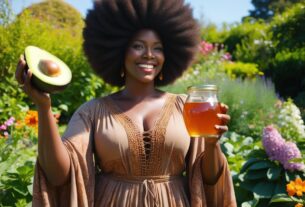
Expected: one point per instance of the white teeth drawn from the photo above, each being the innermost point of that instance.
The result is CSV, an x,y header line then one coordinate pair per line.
x,y
146,66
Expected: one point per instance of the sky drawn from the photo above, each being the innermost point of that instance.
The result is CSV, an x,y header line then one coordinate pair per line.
x,y
211,11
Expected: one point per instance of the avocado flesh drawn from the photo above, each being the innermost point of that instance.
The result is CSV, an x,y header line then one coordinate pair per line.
x,y
42,81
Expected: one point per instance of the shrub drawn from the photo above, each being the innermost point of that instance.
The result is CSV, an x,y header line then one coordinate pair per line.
x,y
27,30
241,70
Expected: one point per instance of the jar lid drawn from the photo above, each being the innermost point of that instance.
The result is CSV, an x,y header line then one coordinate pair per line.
x,y
204,87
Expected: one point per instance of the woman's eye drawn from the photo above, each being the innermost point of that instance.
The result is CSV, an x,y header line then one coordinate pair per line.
x,y
159,49
137,46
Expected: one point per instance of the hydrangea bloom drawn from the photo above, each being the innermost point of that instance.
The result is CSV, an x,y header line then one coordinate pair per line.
x,y
278,149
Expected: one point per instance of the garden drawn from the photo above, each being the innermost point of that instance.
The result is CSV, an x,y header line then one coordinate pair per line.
x,y
258,65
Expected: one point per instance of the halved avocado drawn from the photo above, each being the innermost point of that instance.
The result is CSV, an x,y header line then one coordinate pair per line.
x,y
50,74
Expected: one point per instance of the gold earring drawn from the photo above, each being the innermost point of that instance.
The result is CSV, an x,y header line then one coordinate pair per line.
x,y
122,74
161,76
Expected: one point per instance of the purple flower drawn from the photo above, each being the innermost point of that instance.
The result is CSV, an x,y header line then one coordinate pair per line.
x,y
278,149
288,152
272,142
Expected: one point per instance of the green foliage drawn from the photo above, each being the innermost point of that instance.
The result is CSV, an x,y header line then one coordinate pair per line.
x,y
242,70
250,104
58,14
262,182
27,30
287,72
236,147
211,33
17,158
265,9
250,42
288,29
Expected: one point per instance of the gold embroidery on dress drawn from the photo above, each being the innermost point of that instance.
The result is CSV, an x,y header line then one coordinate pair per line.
x,y
145,150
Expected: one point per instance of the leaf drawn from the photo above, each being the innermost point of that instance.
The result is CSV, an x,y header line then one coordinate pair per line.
x,y
228,149
264,189
274,173
251,203
249,163
255,174
248,185
289,176
280,198
280,187
261,165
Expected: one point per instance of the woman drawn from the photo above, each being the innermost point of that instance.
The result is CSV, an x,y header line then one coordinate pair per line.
x,y
131,147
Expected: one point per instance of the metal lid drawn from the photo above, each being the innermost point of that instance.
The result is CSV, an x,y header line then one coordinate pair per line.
x,y
204,87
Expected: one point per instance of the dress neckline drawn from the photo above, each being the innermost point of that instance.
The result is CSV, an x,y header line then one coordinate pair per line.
x,y
118,110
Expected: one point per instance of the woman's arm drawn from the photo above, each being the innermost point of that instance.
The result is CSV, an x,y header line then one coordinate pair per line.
x,y
213,159
52,154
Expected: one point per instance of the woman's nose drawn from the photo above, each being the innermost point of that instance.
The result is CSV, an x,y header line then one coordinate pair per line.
x,y
149,54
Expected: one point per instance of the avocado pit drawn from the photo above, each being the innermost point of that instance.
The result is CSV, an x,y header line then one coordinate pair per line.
x,y
49,68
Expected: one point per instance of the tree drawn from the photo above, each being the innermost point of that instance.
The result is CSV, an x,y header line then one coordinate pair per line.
x,y
265,9
5,12
58,14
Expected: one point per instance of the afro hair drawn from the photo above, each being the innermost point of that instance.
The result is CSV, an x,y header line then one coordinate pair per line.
x,y
111,24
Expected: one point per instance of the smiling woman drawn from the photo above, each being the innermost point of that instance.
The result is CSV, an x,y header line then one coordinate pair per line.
x,y
144,57
131,148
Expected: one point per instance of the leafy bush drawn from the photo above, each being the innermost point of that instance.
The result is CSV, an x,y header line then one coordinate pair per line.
x,y
287,72
18,143
27,30
242,70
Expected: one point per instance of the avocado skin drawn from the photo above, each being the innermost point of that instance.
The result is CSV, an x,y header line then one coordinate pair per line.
x,y
42,86
45,87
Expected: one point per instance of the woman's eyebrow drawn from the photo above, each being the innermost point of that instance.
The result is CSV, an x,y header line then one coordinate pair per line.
x,y
143,41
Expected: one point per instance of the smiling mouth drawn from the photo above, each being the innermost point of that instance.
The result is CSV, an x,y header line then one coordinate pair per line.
x,y
146,66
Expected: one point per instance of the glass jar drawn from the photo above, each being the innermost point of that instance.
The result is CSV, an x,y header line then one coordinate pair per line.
x,y
200,111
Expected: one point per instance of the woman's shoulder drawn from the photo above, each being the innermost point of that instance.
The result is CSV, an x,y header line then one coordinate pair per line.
x,y
92,105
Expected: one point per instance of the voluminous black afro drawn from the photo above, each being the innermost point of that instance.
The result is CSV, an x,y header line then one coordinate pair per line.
x,y
111,24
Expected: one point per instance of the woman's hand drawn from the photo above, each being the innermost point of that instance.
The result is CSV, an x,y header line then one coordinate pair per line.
x,y
23,77
225,118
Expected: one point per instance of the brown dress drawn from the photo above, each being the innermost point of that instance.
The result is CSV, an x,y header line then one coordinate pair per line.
x,y
133,168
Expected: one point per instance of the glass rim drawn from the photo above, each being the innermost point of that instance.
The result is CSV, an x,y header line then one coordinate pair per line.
x,y
203,87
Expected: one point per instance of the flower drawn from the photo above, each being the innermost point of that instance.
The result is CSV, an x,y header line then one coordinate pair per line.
x,y
31,118
288,152
278,149
227,56
205,48
10,121
3,127
272,142
296,188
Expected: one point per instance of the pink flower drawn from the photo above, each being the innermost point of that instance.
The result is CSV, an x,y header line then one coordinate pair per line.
x,y
205,48
227,56
10,121
3,127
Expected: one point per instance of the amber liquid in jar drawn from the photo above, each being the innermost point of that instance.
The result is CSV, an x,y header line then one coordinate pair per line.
x,y
200,111
201,118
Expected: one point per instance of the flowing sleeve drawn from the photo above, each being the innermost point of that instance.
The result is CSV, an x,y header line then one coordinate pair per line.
x,y
218,194
79,190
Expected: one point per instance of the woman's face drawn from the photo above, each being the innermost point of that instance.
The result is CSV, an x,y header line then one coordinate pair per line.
x,y
144,57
